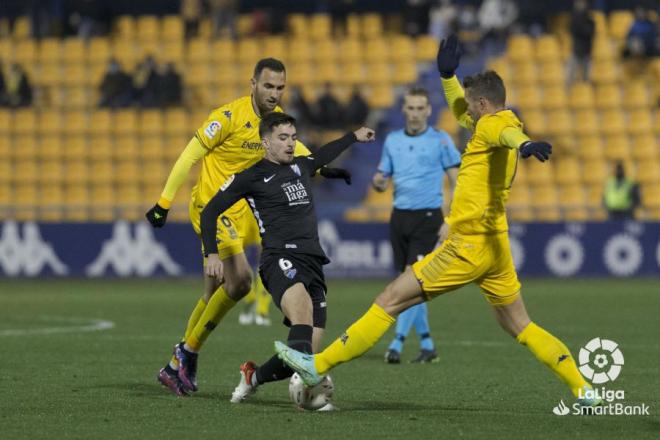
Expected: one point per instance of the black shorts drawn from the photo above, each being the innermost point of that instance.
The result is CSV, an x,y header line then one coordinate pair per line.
x,y
280,271
413,233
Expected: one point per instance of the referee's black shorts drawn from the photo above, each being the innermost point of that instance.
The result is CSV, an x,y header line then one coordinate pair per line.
x,y
413,233
280,271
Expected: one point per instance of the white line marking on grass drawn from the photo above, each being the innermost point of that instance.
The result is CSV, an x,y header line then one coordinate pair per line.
x,y
84,325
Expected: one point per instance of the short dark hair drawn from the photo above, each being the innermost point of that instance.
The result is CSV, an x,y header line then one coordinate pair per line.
x,y
487,84
418,91
272,120
268,63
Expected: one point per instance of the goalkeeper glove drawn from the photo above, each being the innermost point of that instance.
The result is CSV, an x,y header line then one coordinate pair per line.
x,y
540,150
449,56
336,173
157,216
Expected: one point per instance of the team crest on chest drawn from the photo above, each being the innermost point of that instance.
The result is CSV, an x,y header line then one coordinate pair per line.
x,y
296,169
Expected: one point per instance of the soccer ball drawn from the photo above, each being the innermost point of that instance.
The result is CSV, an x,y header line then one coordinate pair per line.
x,y
311,398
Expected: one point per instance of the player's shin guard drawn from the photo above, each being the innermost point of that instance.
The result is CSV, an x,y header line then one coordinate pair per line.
x,y
218,306
357,340
192,321
300,338
553,353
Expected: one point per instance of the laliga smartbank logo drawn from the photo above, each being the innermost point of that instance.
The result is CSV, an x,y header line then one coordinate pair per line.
x,y
601,361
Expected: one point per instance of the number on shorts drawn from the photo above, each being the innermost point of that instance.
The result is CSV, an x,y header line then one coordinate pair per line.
x,y
225,221
285,264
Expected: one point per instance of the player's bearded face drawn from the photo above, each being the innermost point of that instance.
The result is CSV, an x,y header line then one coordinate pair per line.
x,y
268,89
475,106
280,144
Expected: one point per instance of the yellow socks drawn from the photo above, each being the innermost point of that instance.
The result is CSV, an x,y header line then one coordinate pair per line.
x,y
215,310
553,353
192,321
356,341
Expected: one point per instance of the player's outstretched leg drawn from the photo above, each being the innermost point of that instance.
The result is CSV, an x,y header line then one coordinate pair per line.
x,y
547,348
400,294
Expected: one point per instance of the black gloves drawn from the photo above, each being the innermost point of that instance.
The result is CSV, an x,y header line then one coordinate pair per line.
x,y
157,216
539,149
449,56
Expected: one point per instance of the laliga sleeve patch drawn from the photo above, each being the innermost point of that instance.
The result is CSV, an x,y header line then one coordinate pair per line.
x,y
212,129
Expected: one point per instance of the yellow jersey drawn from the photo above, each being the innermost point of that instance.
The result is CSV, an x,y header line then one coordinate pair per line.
x,y
488,166
230,135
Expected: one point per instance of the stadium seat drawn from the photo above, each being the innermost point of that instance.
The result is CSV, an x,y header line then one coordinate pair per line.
x,y
50,51
581,96
648,171
567,171
298,25
150,123
101,123
519,47
99,50
380,96
644,147
125,123
25,121
274,46
640,123
524,73
198,50
353,73
351,50
172,28
77,147
554,97
76,173
603,50
126,148
586,122
75,123
6,122
617,147
50,172
21,29
25,202
25,52
100,148
25,171
177,123
545,203
320,26
637,96
74,74
402,49
426,48
573,203
372,25
594,172
379,74
172,51
301,73
547,49
223,52
249,51
377,50
608,96
404,73
125,27
101,200
552,74
619,23
148,28
538,173
528,98
76,200
126,52
604,72
559,122
613,122
50,123
50,148
152,149
501,65
73,51
101,173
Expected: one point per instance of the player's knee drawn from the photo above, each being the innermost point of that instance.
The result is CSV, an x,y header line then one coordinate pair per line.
x,y
239,286
390,300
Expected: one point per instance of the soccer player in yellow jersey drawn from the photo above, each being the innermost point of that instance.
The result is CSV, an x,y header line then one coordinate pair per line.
x,y
228,142
475,244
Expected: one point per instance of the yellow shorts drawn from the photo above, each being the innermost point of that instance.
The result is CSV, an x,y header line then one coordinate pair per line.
x,y
462,259
230,230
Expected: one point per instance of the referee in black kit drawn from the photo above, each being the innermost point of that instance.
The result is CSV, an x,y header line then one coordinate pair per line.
x,y
416,159
278,190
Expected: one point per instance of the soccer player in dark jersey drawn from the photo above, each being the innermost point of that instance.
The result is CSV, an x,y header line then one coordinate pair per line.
x,y
278,191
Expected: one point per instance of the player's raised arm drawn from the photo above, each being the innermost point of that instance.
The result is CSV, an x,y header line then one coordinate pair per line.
x,y
332,150
448,59
327,172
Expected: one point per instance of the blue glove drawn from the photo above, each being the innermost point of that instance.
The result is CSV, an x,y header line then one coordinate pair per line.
x,y
449,56
157,216
336,173
540,150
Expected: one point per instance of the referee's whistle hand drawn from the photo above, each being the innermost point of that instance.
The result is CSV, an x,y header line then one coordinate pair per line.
x,y
214,267
365,134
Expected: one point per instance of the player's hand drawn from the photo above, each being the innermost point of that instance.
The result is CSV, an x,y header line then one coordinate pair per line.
x,y
157,216
214,267
540,150
379,182
365,134
443,233
449,56
336,173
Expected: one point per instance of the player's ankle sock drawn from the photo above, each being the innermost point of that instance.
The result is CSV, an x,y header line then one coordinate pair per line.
x,y
397,343
553,353
217,307
192,321
171,371
425,342
360,337
300,338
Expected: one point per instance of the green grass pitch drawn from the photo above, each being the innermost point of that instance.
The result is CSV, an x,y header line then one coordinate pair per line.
x,y
102,384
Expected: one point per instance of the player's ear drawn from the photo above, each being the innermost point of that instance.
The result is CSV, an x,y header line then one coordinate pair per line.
x,y
253,83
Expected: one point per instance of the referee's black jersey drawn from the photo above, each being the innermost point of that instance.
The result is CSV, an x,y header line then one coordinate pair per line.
x,y
281,200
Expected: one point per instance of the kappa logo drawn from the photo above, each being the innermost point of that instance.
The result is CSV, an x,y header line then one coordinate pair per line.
x,y
28,255
227,114
248,124
212,129
127,255
344,338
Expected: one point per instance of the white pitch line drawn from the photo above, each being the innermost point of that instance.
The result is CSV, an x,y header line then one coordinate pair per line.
x,y
91,325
